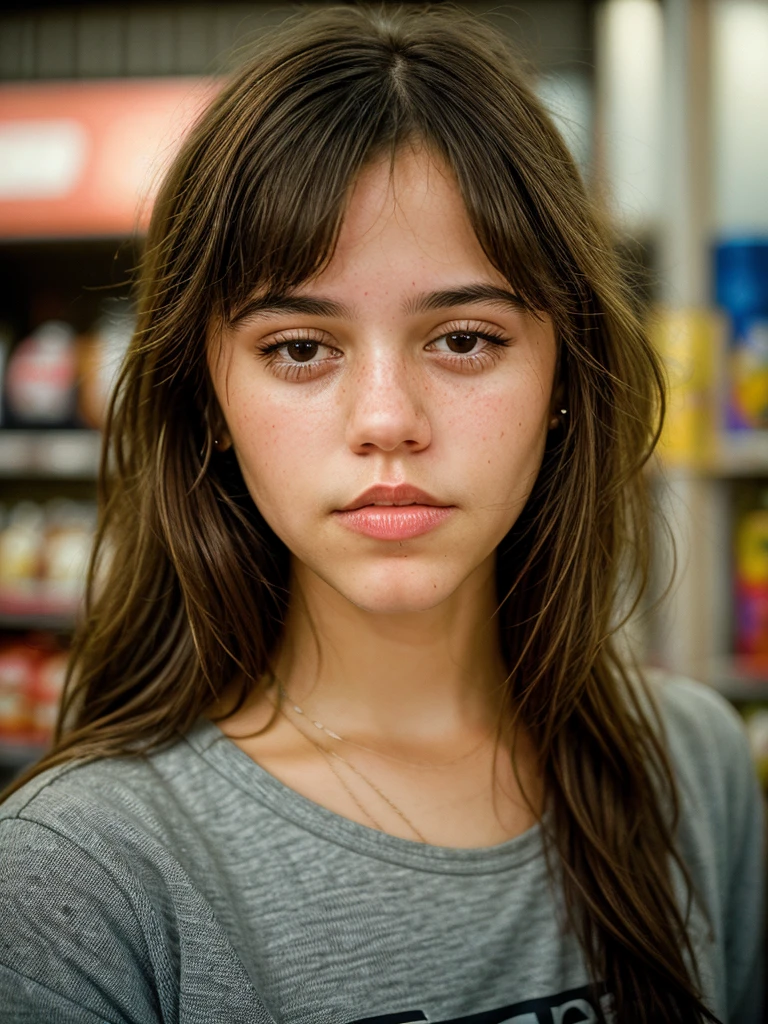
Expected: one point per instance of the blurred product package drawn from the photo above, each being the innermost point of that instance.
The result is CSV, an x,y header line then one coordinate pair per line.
x,y
100,356
32,670
752,584
41,378
741,291
44,554
56,378
687,340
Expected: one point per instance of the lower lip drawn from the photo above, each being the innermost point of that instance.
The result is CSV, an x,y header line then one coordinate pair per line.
x,y
394,522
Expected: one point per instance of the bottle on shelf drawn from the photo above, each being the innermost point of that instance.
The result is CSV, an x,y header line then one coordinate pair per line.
x,y
41,378
751,567
44,554
32,671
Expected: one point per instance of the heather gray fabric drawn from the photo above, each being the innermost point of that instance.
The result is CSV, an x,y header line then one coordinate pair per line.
x,y
194,887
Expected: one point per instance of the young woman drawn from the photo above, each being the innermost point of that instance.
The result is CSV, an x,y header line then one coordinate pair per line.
x,y
346,735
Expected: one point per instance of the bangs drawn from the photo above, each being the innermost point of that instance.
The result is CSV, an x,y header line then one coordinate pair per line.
x,y
282,193
255,201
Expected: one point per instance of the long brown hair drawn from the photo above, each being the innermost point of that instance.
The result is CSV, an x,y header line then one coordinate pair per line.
x,y
189,585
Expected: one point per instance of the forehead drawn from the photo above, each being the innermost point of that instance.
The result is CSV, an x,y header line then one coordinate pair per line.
x,y
406,217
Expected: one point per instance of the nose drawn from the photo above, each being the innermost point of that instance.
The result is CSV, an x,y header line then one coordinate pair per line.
x,y
387,411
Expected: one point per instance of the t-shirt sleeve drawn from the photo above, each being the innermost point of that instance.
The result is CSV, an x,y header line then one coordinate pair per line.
x,y
725,836
71,946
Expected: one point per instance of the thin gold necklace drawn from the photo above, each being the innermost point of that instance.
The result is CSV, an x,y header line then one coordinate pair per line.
x,y
371,750
329,756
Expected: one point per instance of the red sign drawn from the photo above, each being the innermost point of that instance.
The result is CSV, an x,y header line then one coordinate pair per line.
x,y
86,158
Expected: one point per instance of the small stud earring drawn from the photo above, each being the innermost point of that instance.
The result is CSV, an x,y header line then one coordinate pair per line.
x,y
216,442
555,421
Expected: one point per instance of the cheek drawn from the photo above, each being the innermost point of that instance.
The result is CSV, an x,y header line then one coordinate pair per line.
x,y
278,448
504,445
503,427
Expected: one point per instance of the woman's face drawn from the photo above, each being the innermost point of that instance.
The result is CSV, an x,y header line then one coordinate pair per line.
x,y
406,363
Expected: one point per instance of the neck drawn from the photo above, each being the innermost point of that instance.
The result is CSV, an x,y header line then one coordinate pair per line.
x,y
418,676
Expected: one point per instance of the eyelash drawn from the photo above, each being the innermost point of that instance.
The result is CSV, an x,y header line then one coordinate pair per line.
x,y
295,371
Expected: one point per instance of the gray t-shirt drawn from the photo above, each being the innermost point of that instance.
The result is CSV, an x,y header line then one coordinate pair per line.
x,y
192,886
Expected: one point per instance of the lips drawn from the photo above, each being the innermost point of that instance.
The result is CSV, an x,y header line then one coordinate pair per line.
x,y
389,495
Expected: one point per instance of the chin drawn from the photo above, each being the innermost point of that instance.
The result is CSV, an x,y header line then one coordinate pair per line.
x,y
399,592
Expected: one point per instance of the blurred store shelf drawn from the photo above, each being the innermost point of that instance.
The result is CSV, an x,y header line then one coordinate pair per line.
x,y
740,455
731,456
18,753
36,618
740,681
61,454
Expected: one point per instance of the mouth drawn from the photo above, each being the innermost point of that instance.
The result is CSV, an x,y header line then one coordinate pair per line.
x,y
389,496
395,522
394,513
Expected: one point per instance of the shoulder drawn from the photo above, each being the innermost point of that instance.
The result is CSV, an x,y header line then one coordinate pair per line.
x,y
129,816
70,918
107,894
706,740
692,708
107,821
722,809
98,882
695,716
721,830
134,793
98,820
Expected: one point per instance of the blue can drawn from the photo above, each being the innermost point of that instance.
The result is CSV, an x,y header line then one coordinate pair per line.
x,y
741,291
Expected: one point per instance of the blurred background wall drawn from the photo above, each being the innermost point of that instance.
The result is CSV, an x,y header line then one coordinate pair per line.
x,y
664,107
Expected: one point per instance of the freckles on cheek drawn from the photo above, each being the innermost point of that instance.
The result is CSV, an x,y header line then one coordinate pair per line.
x,y
279,449
487,417
255,432
505,428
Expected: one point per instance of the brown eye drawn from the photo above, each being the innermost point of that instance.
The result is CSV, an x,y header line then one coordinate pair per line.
x,y
301,351
461,341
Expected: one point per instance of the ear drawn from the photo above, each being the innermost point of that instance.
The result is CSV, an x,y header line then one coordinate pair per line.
x,y
217,425
557,406
558,400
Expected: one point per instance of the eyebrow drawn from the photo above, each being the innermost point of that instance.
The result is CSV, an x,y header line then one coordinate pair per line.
x,y
274,304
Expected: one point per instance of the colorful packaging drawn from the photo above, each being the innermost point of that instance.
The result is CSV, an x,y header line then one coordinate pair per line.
x,y
66,551
32,672
752,583
46,693
21,551
741,290
687,340
44,555
18,665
